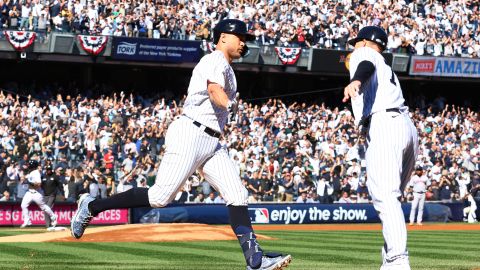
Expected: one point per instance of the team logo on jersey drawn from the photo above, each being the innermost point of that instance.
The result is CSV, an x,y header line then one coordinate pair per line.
x,y
259,215
127,48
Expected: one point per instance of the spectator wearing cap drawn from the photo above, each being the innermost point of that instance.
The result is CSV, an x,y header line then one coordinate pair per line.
x,y
362,185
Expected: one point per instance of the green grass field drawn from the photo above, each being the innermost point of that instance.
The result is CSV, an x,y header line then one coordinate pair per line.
x,y
317,250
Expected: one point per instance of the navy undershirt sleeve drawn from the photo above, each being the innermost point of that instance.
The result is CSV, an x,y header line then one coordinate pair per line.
x,y
364,71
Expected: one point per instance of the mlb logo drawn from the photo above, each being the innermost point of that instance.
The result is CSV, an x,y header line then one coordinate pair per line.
x,y
259,215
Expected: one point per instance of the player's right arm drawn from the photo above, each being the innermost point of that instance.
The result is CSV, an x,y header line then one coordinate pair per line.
x,y
217,95
213,69
364,71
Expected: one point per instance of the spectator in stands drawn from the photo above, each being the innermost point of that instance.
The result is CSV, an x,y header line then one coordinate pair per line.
x,y
303,198
200,198
268,187
254,187
345,198
5,196
210,198
271,137
413,27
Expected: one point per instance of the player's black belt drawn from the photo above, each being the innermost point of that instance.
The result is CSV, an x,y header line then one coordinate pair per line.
x,y
397,110
208,130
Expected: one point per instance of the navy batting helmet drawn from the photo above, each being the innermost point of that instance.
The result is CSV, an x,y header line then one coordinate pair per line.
x,y
372,33
32,164
232,26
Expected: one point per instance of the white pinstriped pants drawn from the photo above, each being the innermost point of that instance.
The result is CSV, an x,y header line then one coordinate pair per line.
x,y
36,197
418,202
188,147
391,154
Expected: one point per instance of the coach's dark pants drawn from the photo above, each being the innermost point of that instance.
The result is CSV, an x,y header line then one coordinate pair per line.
x,y
49,200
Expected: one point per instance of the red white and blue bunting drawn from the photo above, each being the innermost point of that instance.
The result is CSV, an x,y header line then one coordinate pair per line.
x,y
288,56
20,40
93,44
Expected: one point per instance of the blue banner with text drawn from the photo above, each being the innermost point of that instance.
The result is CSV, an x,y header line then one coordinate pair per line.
x,y
158,50
282,213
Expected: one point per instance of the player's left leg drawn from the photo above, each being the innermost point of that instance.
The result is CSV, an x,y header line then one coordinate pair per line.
x,y
414,207
421,205
221,173
185,146
27,199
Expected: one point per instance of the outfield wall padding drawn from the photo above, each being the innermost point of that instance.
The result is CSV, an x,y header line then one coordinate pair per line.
x,y
290,213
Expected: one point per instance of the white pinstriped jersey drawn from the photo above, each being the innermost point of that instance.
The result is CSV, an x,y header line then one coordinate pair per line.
x,y
216,69
391,152
34,177
382,91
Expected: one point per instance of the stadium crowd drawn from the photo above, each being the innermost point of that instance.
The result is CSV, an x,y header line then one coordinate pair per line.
x,y
423,27
283,152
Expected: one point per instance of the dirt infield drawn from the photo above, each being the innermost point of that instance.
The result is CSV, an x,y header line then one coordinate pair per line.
x,y
135,233
202,232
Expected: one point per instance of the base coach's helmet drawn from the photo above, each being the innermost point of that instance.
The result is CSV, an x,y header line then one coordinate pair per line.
x,y
372,33
232,26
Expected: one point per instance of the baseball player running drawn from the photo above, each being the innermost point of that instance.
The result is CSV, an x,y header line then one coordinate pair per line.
x,y
379,110
419,184
34,180
192,142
